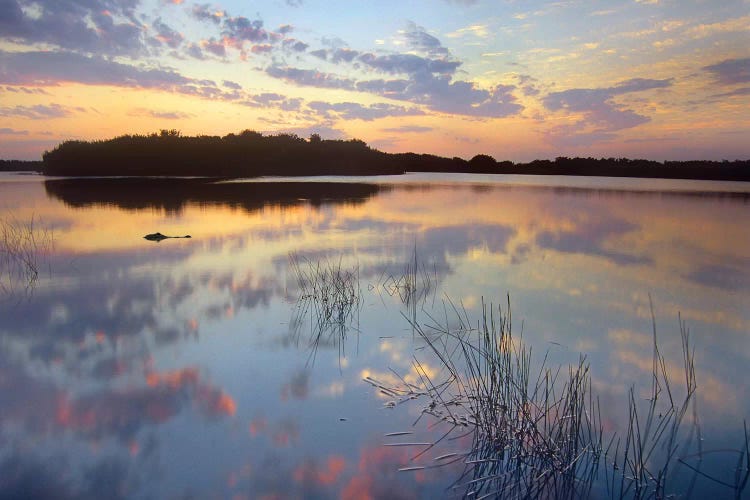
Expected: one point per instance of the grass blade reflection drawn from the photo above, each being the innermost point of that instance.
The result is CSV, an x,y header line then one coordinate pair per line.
x,y
330,296
543,436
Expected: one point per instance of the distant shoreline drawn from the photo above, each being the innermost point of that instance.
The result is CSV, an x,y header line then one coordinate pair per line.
x,y
250,154
21,166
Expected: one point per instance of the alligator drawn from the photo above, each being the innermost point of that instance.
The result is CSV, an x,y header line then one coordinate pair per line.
x,y
157,237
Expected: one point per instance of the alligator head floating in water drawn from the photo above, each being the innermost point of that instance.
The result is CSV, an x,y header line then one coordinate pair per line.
x,y
157,237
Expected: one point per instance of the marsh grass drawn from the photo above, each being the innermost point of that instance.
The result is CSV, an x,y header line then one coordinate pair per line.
x,y
413,286
538,432
329,301
23,246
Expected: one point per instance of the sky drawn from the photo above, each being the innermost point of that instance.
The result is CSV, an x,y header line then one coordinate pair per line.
x,y
518,80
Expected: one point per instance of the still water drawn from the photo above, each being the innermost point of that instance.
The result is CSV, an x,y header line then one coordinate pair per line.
x,y
199,368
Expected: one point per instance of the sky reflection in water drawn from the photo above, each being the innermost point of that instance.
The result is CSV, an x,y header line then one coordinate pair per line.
x,y
160,369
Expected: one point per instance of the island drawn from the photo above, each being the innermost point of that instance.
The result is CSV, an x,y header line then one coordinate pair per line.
x,y
252,154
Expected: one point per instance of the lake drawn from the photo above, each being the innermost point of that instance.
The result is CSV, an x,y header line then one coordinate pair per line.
x,y
245,361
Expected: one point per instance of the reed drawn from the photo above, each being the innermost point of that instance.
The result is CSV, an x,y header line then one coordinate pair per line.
x,y
23,245
413,286
537,432
329,298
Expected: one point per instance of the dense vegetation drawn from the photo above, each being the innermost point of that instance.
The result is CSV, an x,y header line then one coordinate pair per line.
x,y
248,154
20,166
251,154
622,167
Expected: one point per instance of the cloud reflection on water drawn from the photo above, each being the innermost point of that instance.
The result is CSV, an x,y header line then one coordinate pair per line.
x,y
212,314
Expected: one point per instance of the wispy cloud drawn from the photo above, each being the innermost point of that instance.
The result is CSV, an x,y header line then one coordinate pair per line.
x,y
11,131
356,111
163,115
309,77
272,99
730,71
599,109
418,39
166,35
37,112
408,129
475,30
52,68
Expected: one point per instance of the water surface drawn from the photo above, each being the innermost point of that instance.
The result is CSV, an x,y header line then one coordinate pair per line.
x,y
190,368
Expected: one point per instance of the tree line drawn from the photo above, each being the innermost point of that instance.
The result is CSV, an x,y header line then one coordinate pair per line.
x,y
20,166
251,154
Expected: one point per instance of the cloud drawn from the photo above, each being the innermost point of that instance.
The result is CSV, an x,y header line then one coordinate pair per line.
x,y
438,92
730,71
164,115
298,387
597,102
312,473
214,46
166,35
458,240
24,477
356,111
236,32
263,48
272,99
93,26
294,45
37,112
599,111
374,479
407,129
231,85
409,64
10,131
743,91
309,77
122,413
419,39
195,51
243,28
590,237
52,68
320,53
25,90
422,76
204,12
727,276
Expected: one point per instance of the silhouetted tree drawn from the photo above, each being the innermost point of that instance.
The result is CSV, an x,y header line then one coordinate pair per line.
x,y
483,163
251,154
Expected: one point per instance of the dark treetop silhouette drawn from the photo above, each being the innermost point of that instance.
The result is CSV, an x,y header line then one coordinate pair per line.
x,y
251,154
20,166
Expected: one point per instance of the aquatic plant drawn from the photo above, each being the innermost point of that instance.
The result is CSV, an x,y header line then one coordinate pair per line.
x,y
542,436
414,285
22,246
329,296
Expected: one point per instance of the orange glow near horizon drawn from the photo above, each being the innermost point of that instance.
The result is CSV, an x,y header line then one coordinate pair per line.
x,y
641,79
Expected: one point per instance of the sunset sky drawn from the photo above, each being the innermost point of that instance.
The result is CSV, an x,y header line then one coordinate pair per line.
x,y
658,79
